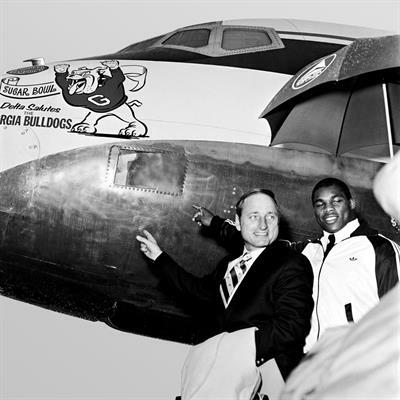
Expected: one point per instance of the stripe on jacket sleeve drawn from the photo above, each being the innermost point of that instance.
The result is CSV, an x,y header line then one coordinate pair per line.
x,y
387,263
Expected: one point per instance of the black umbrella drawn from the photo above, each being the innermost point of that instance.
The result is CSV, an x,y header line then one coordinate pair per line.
x,y
347,102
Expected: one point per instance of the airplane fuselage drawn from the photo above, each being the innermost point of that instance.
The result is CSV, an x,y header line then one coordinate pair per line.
x,y
96,150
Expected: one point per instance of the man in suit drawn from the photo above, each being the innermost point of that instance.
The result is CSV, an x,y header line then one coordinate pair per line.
x,y
262,284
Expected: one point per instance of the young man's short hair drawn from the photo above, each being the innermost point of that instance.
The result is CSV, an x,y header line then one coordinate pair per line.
x,y
327,182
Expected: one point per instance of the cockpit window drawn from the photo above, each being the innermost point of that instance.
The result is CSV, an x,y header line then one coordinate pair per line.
x,y
157,171
189,38
213,39
218,40
144,45
235,39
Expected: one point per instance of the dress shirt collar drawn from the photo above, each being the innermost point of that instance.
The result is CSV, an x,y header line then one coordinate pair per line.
x,y
254,255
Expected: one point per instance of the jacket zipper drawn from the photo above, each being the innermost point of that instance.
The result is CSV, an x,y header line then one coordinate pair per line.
x,y
316,305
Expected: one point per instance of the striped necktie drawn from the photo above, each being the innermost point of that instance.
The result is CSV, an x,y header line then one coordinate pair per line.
x,y
232,278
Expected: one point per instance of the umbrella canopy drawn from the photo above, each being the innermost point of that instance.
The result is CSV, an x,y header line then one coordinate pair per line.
x,y
343,102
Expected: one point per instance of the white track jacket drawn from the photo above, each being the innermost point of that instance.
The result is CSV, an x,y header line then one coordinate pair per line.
x,y
356,273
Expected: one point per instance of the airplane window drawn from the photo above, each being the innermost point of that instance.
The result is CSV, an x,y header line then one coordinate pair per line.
x,y
189,38
136,47
212,40
234,39
158,171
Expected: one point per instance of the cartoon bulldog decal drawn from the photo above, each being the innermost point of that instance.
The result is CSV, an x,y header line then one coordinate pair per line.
x,y
101,90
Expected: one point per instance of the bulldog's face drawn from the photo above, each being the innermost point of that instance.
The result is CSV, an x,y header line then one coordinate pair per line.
x,y
84,80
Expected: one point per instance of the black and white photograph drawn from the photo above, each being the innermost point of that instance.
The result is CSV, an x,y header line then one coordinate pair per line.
x,y
199,200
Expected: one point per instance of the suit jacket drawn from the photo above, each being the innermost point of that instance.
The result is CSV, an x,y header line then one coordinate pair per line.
x,y
275,296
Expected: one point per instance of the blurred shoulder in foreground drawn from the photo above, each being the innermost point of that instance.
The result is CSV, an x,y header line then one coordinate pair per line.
x,y
353,361
387,187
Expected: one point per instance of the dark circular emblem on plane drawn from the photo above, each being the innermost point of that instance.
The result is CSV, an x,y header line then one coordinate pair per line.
x,y
313,72
33,69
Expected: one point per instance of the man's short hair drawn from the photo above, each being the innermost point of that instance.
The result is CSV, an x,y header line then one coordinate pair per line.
x,y
327,182
239,204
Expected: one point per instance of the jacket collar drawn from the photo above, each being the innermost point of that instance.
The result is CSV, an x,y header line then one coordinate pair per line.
x,y
362,230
